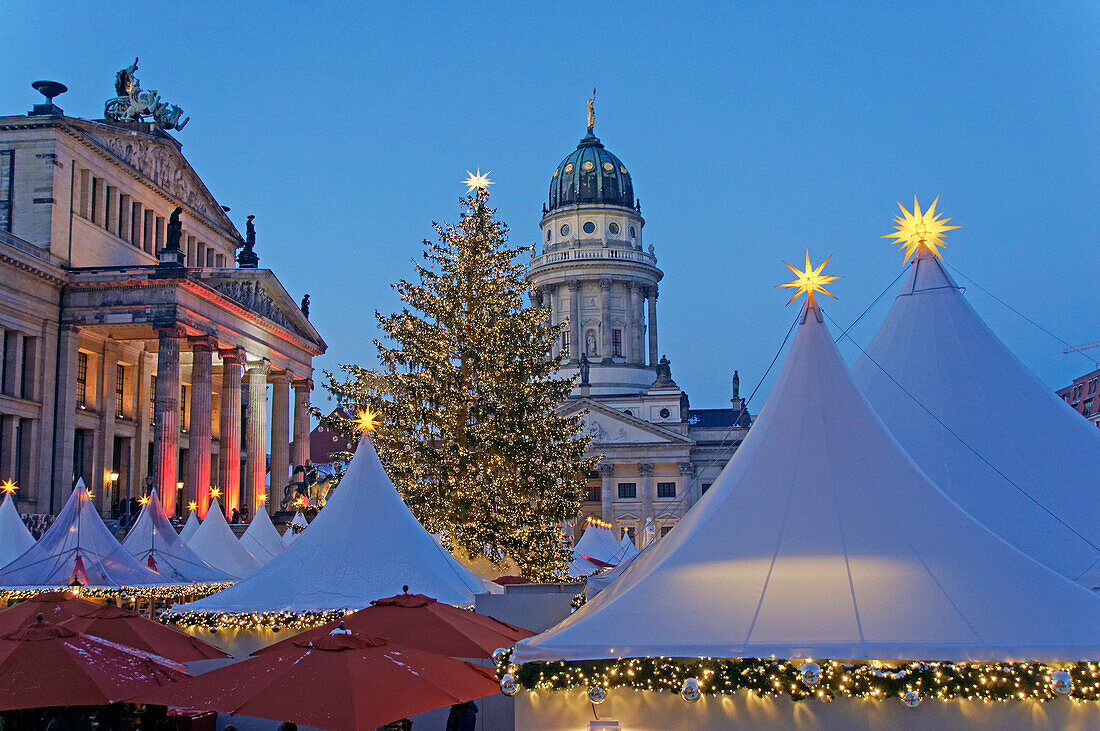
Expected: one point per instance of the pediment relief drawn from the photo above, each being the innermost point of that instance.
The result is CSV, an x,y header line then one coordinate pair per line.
x,y
252,295
605,425
263,295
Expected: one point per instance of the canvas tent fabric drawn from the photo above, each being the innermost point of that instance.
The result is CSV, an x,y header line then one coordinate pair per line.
x,y
598,582
189,527
153,537
215,543
298,520
363,545
15,539
629,549
982,426
822,538
78,543
579,568
599,543
261,539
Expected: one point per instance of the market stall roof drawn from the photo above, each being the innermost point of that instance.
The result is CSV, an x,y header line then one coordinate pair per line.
x,y
189,527
15,539
982,426
822,539
298,520
215,543
78,548
261,539
153,541
362,545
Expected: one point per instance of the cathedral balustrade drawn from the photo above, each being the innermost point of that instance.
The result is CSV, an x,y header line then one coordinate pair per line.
x,y
557,257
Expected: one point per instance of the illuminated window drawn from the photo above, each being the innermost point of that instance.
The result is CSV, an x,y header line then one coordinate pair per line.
x,y
593,495
628,490
565,343
81,380
666,489
617,343
120,389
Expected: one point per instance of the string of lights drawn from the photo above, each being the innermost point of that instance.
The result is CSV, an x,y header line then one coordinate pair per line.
x,y
274,621
168,594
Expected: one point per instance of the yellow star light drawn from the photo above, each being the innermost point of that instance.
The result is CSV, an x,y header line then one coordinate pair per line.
x,y
8,487
192,505
368,421
477,181
809,281
262,497
215,493
143,500
916,229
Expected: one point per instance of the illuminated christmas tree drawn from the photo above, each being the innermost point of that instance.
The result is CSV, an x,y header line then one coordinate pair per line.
x,y
467,393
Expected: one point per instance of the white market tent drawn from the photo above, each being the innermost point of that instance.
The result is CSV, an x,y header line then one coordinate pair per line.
x,y
189,527
215,543
579,568
599,542
78,546
982,426
363,545
822,538
629,549
15,539
261,539
153,541
298,520
598,582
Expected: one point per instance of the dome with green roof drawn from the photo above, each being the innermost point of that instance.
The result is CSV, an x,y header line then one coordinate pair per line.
x,y
591,175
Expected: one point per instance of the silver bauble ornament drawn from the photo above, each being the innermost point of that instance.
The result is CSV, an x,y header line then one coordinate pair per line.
x,y
508,685
498,654
596,694
512,668
690,690
810,673
911,699
1061,682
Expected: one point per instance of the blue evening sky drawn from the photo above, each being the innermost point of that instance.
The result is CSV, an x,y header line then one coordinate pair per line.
x,y
752,132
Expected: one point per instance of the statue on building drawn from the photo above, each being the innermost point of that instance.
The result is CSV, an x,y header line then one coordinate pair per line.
x,y
305,306
591,111
133,105
247,258
584,369
736,388
175,229
590,344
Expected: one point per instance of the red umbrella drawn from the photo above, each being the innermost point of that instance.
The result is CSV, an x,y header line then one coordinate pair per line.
x,y
44,664
341,681
54,606
420,622
133,630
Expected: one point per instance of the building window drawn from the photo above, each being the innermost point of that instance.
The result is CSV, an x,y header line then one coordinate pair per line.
x,y
7,173
628,490
81,380
665,530
548,235
564,343
706,486
666,489
633,234
665,413
153,400
1087,408
565,229
593,495
120,390
589,227
628,412
183,408
1092,386
613,228
617,343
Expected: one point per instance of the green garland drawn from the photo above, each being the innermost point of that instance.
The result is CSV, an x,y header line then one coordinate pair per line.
x,y
252,620
998,681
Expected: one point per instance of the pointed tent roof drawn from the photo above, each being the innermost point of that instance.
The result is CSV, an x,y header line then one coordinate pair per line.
x,y
822,538
152,536
599,542
78,543
602,580
364,544
298,520
1034,483
629,549
189,527
261,539
215,543
15,539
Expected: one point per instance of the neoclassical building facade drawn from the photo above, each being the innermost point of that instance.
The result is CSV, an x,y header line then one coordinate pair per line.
x,y
127,361
595,275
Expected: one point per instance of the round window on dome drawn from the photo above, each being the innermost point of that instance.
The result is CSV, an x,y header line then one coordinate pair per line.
x,y
565,229
613,228
609,167
588,165
569,168
589,227
622,170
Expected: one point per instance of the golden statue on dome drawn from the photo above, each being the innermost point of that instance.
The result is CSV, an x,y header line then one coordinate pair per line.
x,y
592,111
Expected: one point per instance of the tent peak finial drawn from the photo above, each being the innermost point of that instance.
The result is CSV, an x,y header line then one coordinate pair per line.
x,y
919,232
810,280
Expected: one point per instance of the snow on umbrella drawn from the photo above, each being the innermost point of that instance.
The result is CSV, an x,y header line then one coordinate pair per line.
x,y
54,606
353,681
133,630
422,623
44,664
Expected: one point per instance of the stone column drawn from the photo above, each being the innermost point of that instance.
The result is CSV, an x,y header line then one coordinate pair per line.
x,y
300,450
646,469
139,465
106,444
687,473
13,364
8,444
605,320
576,345
607,494
257,432
280,437
202,404
230,452
166,416
65,421
653,358
629,341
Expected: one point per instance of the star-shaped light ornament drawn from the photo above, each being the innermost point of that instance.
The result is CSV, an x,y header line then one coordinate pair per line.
x,y
262,497
192,505
143,500
477,181
809,281
368,421
9,487
215,493
917,229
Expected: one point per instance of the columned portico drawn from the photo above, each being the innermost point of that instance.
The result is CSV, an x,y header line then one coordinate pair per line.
x,y
607,493
202,404
257,432
166,415
232,376
280,437
300,450
653,325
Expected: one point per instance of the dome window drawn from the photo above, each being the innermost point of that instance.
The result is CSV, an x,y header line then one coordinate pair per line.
x,y
589,227
613,228
609,167
547,234
569,168
556,173
588,165
622,170
565,229
633,233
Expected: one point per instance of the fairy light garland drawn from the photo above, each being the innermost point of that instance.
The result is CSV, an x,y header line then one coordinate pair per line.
x,y
167,594
252,620
911,682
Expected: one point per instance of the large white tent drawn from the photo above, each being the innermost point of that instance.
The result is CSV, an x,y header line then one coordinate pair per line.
x,y
15,539
599,542
363,545
629,549
982,426
822,539
298,520
153,541
261,539
215,543
189,527
79,547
